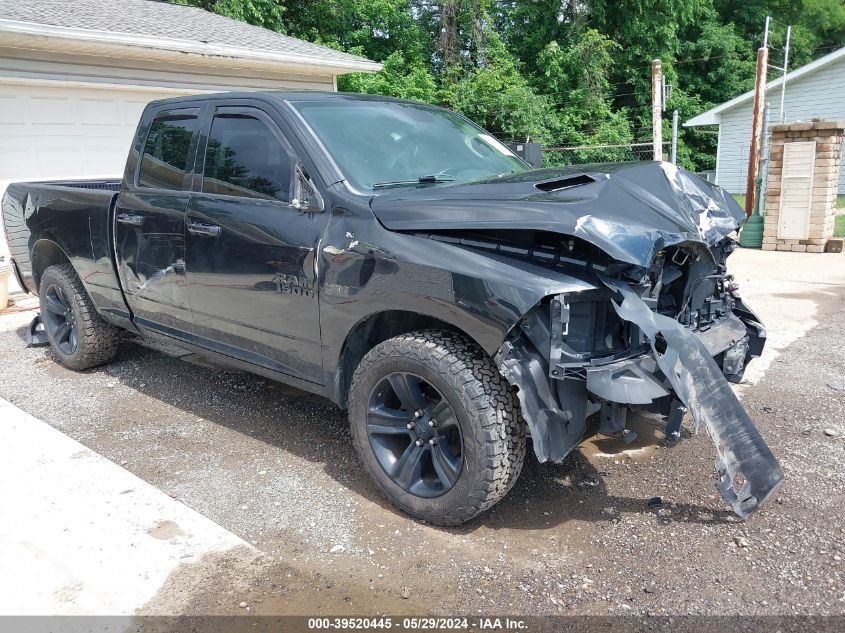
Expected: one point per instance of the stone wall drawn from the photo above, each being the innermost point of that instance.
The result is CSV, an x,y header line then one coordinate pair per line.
x,y
828,136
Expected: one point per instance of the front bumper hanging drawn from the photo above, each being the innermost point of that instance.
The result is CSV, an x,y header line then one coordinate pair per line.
x,y
748,473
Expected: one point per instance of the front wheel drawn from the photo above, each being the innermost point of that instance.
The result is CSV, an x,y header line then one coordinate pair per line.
x,y
79,336
436,426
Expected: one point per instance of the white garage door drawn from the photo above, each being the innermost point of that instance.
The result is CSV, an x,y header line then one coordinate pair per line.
x,y
64,131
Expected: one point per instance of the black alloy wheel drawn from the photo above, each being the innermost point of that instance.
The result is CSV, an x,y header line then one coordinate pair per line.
x,y
60,321
414,435
79,337
436,426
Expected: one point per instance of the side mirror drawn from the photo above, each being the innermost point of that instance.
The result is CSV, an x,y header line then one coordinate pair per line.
x,y
306,198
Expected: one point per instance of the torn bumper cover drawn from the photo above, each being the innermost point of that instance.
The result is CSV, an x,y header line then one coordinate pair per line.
x,y
680,368
748,473
684,332
635,380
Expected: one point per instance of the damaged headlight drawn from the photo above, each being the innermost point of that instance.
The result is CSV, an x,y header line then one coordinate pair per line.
x,y
584,328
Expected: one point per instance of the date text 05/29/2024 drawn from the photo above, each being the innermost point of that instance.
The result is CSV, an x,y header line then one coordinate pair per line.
x,y
419,623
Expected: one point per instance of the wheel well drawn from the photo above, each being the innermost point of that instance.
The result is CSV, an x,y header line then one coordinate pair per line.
x,y
45,254
374,330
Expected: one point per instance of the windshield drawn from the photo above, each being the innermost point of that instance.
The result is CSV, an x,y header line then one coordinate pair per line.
x,y
383,144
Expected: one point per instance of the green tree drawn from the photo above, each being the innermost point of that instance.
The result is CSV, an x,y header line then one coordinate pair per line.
x,y
264,13
372,28
528,26
575,78
573,72
493,93
818,25
399,78
714,64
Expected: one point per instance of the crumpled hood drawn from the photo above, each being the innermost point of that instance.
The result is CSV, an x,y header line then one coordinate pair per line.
x,y
629,210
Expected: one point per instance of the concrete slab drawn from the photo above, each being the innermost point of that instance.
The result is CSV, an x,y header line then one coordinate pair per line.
x,y
80,534
785,289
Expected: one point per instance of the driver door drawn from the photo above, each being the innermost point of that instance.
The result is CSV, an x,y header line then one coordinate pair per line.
x,y
250,255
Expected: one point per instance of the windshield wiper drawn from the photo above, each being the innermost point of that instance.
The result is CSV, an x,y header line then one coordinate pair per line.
x,y
422,180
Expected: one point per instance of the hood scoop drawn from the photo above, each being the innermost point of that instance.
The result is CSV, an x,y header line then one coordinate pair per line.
x,y
559,184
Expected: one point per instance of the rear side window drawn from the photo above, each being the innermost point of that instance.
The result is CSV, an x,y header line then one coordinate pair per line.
x,y
167,152
244,158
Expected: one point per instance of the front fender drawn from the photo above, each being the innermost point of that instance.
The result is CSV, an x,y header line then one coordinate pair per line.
x,y
483,294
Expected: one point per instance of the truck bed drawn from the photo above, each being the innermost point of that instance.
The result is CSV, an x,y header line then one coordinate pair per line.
x,y
76,215
109,185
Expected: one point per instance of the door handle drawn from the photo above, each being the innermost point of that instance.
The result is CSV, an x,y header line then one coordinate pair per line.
x,y
208,230
130,218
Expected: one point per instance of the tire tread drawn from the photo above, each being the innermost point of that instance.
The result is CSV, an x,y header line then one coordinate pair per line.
x,y
98,340
484,395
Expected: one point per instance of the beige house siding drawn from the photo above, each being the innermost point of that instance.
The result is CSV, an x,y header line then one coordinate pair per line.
x,y
73,116
30,65
817,95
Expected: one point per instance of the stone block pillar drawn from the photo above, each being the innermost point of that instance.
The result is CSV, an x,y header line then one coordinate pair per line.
x,y
821,200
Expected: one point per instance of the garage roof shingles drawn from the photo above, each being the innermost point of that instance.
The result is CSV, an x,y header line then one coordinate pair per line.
x,y
153,18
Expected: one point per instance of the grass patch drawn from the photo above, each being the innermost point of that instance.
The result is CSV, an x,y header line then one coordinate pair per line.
x,y
839,227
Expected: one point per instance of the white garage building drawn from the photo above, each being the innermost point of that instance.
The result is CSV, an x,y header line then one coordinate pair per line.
x,y
75,76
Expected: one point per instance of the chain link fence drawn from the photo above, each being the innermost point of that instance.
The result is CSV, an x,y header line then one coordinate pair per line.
x,y
586,154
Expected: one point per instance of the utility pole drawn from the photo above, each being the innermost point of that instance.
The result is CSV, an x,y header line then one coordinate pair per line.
x,y
674,154
657,108
751,235
763,177
757,124
785,70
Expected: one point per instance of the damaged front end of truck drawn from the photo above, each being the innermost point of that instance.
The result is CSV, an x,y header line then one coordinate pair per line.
x,y
624,349
664,334
647,317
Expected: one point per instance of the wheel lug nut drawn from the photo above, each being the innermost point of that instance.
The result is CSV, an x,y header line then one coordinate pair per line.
x,y
418,414
432,422
420,442
409,426
433,441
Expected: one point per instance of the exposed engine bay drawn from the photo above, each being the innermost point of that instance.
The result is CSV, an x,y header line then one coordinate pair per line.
x,y
665,339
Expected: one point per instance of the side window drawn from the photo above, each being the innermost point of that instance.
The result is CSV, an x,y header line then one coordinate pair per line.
x,y
244,158
166,152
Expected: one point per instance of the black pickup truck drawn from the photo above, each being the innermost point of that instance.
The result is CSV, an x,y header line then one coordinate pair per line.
x,y
402,262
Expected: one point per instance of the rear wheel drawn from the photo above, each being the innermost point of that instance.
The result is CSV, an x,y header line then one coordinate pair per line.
x,y
79,336
436,426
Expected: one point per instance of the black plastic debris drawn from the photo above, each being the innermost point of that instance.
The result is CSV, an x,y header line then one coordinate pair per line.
x,y
747,471
629,436
36,335
655,503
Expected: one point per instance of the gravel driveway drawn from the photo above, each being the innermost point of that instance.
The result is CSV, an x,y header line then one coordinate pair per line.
x,y
277,467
